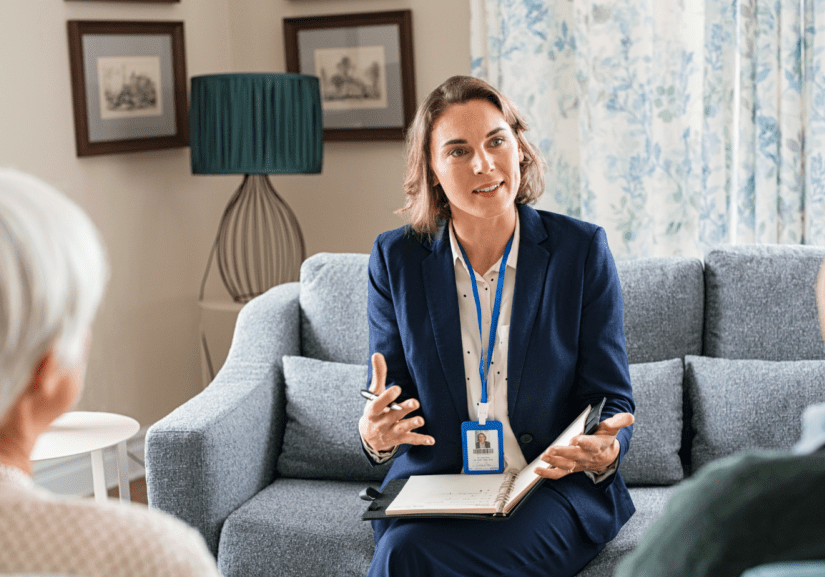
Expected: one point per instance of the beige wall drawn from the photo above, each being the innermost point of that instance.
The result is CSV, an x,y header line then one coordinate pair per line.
x,y
157,219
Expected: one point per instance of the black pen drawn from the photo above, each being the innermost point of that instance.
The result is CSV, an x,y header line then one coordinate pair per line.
x,y
372,396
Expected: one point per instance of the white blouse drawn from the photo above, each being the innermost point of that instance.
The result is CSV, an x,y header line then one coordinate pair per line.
x,y
473,347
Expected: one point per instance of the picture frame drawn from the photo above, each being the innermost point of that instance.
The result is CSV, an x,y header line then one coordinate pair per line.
x,y
128,86
365,66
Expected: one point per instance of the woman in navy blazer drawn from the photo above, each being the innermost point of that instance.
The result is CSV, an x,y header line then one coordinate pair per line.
x,y
470,168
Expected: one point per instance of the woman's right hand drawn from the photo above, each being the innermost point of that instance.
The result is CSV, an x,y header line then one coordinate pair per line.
x,y
383,428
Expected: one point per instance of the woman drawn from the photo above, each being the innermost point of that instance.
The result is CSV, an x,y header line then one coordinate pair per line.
x,y
558,346
53,272
482,442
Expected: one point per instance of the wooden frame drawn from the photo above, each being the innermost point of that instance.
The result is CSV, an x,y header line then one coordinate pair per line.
x,y
151,110
377,102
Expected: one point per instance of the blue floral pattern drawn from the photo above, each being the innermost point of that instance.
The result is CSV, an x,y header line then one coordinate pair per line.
x,y
675,125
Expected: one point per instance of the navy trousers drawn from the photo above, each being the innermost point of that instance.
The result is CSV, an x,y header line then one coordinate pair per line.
x,y
543,538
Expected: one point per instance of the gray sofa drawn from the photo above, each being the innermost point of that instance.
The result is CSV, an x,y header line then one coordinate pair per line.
x,y
265,462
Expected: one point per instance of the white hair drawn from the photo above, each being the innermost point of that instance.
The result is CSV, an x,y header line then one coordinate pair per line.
x,y
53,272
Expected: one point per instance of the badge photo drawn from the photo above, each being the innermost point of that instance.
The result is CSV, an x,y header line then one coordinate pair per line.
x,y
483,447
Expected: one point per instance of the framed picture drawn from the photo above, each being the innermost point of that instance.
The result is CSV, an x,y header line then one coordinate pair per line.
x,y
365,66
128,86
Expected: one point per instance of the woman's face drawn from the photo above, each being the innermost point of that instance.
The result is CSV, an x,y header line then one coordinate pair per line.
x,y
475,158
482,438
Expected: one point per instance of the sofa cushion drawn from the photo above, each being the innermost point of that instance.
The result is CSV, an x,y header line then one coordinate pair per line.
x,y
263,533
650,504
742,404
334,308
663,307
321,439
296,528
760,303
653,458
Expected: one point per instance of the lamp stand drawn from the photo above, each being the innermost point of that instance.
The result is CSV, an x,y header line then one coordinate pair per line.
x,y
259,242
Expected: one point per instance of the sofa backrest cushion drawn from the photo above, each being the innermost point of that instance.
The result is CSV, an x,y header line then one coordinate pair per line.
x,y
761,304
653,458
334,308
663,307
744,404
321,439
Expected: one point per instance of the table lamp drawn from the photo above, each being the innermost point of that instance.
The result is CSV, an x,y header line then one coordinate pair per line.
x,y
256,125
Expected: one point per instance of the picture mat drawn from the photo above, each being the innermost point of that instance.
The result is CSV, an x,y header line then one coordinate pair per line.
x,y
128,45
387,35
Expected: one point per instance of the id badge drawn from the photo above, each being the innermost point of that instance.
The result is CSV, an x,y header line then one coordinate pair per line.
x,y
483,447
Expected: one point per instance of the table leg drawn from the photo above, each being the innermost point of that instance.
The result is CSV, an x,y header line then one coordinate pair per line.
x,y
123,472
99,476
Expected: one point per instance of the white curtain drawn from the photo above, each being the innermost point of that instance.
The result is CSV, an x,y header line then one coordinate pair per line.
x,y
674,125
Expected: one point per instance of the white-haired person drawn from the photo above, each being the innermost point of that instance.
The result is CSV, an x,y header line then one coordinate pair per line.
x,y
53,272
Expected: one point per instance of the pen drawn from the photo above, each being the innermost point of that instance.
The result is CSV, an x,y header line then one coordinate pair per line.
x,y
372,396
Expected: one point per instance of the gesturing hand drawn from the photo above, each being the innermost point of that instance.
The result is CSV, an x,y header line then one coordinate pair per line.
x,y
383,428
594,452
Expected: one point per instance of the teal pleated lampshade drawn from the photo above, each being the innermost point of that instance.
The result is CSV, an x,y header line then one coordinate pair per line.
x,y
256,124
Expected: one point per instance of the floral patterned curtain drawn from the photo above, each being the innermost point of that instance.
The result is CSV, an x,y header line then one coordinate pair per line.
x,y
674,125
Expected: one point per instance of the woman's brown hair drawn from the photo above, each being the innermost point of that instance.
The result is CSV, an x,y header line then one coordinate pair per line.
x,y
426,204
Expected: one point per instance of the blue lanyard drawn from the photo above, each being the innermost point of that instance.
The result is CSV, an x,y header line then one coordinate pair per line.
x,y
482,367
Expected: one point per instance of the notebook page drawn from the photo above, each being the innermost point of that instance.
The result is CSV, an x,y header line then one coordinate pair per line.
x,y
527,477
448,494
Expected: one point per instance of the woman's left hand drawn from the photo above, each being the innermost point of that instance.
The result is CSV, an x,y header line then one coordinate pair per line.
x,y
594,452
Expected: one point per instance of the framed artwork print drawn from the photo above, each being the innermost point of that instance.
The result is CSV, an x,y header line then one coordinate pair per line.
x,y
128,86
365,66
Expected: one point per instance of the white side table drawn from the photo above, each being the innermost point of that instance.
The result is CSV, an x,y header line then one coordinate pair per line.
x,y
79,432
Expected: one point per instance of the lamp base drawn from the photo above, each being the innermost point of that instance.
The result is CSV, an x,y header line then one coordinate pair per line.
x,y
259,242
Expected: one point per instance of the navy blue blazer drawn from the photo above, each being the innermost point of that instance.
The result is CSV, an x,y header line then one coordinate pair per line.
x,y
567,349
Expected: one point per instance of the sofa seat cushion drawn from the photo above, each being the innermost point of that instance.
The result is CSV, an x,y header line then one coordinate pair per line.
x,y
650,504
321,439
298,528
744,404
653,458
302,527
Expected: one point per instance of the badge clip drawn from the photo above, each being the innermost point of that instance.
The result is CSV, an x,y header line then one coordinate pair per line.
x,y
483,411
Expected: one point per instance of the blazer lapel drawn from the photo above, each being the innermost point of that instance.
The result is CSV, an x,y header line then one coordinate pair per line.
x,y
438,273
531,271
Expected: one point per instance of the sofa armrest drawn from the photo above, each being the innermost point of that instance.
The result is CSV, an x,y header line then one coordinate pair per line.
x,y
219,449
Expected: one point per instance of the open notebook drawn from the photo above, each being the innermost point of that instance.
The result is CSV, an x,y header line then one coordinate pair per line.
x,y
471,496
